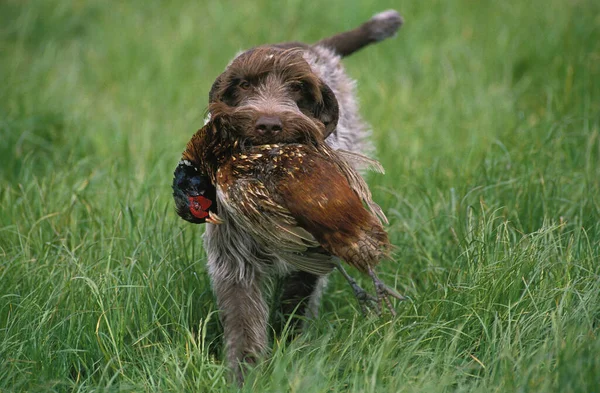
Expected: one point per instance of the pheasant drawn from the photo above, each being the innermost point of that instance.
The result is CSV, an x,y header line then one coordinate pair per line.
x,y
297,197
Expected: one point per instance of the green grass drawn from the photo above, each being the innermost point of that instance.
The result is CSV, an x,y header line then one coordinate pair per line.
x,y
487,119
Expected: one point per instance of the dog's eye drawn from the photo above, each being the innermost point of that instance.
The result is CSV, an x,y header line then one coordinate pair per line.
x,y
244,85
296,87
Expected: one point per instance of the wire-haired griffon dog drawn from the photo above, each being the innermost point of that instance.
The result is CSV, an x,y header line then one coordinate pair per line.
x,y
276,94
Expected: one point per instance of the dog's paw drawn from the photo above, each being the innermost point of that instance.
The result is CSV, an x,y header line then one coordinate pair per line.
x,y
384,24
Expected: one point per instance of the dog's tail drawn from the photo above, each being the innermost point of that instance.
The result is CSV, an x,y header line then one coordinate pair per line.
x,y
381,26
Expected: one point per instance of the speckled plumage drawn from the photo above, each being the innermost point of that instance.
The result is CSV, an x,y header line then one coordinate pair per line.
x,y
294,199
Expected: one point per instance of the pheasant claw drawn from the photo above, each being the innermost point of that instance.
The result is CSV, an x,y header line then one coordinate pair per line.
x,y
365,300
384,292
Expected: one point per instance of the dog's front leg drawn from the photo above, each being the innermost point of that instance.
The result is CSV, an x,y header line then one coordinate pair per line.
x,y
242,306
244,316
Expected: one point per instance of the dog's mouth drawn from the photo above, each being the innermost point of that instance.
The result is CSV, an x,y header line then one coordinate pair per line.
x,y
242,123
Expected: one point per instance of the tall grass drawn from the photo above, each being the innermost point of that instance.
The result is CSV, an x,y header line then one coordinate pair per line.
x,y
487,119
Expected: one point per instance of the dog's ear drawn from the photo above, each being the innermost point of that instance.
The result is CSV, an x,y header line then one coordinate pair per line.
x,y
212,94
328,110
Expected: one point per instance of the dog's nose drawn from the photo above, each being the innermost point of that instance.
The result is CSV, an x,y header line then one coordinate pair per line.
x,y
268,124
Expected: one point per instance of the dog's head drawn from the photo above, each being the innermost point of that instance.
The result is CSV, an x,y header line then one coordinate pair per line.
x,y
270,95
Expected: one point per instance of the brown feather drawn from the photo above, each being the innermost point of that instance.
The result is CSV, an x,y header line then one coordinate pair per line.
x,y
293,197
321,199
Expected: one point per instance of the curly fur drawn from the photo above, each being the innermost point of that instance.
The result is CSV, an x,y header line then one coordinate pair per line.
x,y
240,269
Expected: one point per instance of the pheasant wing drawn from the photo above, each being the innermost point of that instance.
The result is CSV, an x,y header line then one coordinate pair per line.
x,y
252,207
320,196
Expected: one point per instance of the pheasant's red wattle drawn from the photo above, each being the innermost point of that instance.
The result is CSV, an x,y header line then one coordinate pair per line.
x,y
199,206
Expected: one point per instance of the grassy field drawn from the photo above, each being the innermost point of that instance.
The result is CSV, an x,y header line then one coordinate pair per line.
x,y
487,119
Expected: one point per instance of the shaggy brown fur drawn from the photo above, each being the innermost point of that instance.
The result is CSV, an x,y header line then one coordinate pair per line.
x,y
266,95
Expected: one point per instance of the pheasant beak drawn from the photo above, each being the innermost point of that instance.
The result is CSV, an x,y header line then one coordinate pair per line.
x,y
214,219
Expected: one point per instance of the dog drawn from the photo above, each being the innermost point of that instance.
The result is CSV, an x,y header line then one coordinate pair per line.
x,y
313,85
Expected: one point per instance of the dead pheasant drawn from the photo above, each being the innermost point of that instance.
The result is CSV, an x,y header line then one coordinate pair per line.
x,y
297,197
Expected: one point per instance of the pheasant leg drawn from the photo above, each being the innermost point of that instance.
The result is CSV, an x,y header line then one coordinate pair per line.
x,y
384,292
365,299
